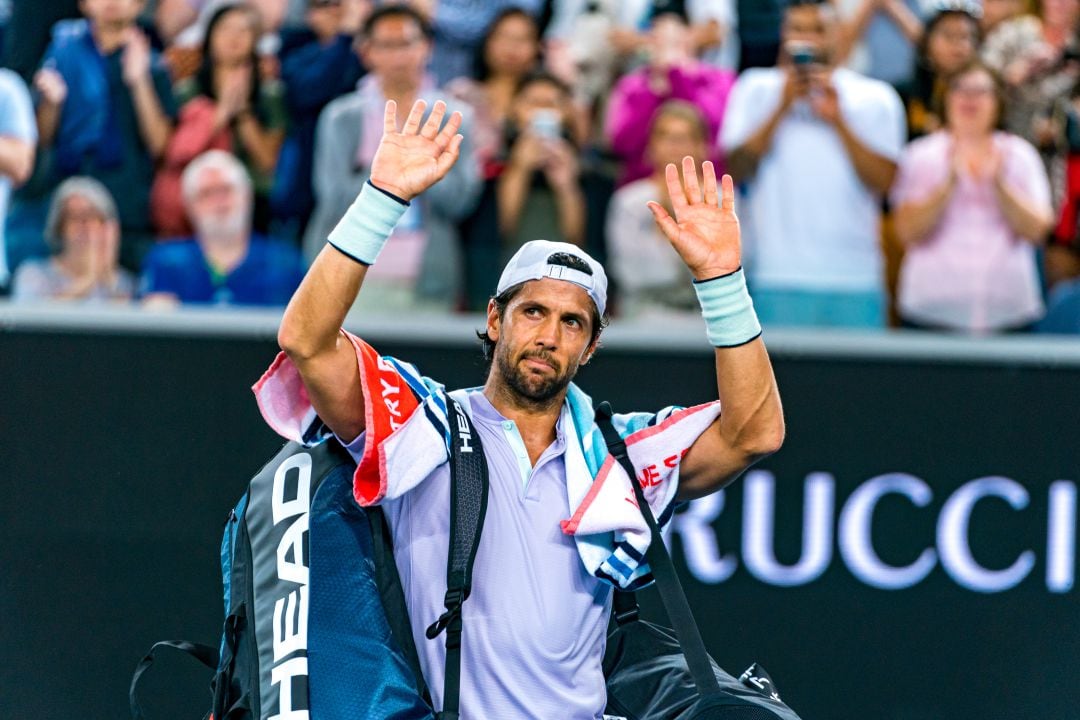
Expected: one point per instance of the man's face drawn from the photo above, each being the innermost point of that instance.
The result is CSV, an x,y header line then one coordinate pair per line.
x,y
808,25
111,12
324,16
541,340
218,206
672,138
396,51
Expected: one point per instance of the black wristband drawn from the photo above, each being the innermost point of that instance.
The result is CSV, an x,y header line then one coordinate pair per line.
x,y
389,194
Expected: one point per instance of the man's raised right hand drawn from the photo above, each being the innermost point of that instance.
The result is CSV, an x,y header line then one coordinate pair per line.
x,y
410,161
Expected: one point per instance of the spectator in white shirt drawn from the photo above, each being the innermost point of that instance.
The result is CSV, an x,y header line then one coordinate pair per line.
x,y
816,147
18,134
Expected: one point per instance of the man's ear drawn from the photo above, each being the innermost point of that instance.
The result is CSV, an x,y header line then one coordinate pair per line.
x,y
590,351
493,320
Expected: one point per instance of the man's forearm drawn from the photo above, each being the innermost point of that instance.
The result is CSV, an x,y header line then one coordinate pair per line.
x,y
317,310
406,163
310,334
16,159
513,188
154,125
262,145
908,22
742,161
876,171
48,119
752,421
751,425
571,204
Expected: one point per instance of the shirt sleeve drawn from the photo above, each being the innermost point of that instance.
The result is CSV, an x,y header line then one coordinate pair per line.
x,y
722,11
622,233
880,122
1025,172
16,109
30,284
748,107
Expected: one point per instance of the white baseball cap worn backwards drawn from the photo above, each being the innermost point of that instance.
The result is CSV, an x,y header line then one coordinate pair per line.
x,y
535,260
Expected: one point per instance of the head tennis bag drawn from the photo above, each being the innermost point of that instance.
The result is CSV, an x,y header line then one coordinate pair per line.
x,y
316,626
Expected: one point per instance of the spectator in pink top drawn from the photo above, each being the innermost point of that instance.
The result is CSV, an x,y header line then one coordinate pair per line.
x,y
673,73
971,205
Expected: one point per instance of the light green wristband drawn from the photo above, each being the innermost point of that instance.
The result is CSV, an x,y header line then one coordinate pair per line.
x,y
729,314
368,222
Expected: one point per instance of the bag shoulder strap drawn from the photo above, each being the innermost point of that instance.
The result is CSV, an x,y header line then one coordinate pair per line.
x,y
468,506
663,570
205,654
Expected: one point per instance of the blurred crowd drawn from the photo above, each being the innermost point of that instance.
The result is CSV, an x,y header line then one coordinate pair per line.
x,y
900,162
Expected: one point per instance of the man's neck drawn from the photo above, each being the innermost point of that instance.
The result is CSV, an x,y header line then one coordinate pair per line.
x,y
403,93
225,251
535,421
109,37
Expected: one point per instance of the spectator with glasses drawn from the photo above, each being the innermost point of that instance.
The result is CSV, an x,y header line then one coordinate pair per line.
x,y
83,231
423,269
950,42
971,205
225,263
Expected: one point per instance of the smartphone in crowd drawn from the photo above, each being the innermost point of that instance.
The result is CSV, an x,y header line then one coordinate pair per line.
x,y
803,56
546,124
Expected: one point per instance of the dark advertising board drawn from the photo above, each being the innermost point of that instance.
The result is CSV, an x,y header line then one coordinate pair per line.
x,y
908,555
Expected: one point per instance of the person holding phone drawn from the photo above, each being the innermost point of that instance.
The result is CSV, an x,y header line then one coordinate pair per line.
x,y
816,147
539,192
672,73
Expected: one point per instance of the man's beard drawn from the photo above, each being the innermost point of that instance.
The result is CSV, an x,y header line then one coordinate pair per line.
x,y
531,388
221,226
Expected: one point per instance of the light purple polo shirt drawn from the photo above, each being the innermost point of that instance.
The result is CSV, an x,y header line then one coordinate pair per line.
x,y
535,624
